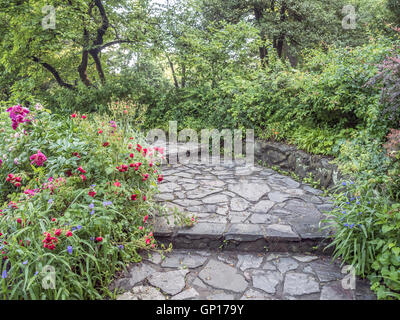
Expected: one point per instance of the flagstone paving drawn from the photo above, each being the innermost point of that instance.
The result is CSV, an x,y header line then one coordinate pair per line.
x,y
228,275
244,207
258,238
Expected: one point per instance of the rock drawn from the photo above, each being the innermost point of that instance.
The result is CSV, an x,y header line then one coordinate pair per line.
x,y
238,217
286,264
280,232
252,294
305,258
204,230
202,192
249,191
142,293
335,291
244,232
262,206
219,198
139,272
171,282
177,260
248,261
297,284
185,295
239,204
221,296
277,196
267,280
222,276
326,271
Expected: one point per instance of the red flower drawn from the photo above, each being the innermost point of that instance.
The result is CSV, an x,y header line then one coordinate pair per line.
x,y
92,193
144,198
131,155
160,178
69,233
81,170
117,184
99,239
54,219
57,233
83,177
145,218
133,197
84,117
100,131
73,115
139,147
106,144
19,220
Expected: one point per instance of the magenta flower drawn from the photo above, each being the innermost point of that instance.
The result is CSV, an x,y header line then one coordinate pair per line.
x,y
38,159
17,115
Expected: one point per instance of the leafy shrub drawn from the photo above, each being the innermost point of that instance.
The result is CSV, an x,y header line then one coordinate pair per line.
x,y
368,236
77,197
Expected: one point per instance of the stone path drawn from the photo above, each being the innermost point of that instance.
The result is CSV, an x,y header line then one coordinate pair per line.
x,y
258,237
241,207
215,275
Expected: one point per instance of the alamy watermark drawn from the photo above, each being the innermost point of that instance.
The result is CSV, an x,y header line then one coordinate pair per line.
x,y
349,20
49,21
189,146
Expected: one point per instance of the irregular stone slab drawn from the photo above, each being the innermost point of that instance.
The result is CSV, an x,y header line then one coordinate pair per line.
x,y
238,217
171,282
244,232
142,293
262,206
186,295
326,271
187,202
267,281
299,284
139,272
188,260
262,218
198,283
277,196
202,192
286,264
248,261
164,197
302,208
335,291
168,187
249,191
268,266
154,257
305,258
280,232
222,276
313,191
239,204
212,183
219,198
252,294
290,183
221,296
204,230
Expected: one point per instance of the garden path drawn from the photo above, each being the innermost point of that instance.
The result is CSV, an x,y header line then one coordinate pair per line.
x,y
257,237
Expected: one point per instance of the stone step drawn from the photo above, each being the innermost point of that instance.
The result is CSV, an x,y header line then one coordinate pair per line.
x,y
221,275
241,207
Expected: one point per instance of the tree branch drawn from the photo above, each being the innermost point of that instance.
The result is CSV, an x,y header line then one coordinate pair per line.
x,y
54,72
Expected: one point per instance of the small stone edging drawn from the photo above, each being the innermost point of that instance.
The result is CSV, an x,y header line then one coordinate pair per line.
x,y
290,158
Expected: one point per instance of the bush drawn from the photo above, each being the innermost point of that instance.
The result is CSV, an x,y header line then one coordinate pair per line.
x,y
77,197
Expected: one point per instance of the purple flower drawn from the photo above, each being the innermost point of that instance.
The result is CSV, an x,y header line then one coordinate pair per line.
x,y
69,249
79,227
25,262
4,275
91,206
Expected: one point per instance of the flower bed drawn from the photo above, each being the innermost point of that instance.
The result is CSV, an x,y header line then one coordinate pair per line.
x,y
75,197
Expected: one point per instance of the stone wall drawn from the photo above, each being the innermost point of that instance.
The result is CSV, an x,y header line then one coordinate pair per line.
x,y
289,158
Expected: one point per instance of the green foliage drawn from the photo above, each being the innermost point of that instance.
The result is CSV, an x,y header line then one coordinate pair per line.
x,y
95,234
367,227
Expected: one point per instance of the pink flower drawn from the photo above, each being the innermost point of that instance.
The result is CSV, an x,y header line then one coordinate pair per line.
x,y
38,158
